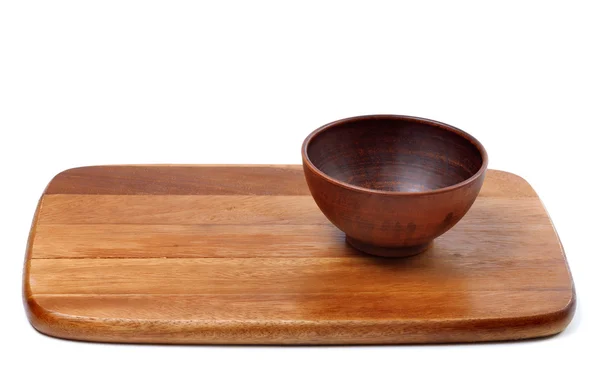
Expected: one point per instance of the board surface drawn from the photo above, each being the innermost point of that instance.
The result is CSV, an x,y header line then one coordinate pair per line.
x,y
242,255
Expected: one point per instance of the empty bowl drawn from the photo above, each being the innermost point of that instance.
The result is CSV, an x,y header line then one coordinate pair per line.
x,y
393,183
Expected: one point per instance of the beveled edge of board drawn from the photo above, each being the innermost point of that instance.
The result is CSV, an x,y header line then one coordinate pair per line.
x,y
65,326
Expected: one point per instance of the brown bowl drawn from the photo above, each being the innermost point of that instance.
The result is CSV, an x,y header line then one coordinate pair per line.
x,y
393,183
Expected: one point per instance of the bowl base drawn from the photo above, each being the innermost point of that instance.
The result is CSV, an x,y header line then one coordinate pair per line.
x,y
388,252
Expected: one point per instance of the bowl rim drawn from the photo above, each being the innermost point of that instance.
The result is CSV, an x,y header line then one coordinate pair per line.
x,y
420,120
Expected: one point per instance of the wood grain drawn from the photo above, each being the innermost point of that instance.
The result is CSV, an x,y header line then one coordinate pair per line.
x,y
178,210
361,306
179,180
118,261
187,241
283,275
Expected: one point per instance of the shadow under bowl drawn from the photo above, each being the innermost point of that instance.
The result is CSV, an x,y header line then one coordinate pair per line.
x,y
393,183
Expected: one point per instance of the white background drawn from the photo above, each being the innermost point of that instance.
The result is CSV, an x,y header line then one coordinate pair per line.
x,y
115,82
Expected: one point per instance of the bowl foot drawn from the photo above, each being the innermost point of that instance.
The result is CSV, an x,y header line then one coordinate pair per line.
x,y
388,252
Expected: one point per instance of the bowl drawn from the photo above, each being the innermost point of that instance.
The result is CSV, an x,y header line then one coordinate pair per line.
x,y
393,183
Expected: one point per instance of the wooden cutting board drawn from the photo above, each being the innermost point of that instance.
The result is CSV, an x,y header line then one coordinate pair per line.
x,y
242,254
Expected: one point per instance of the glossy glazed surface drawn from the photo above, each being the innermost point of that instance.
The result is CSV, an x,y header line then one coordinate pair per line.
x,y
393,181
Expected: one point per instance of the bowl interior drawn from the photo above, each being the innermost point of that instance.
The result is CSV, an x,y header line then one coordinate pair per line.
x,y
394,154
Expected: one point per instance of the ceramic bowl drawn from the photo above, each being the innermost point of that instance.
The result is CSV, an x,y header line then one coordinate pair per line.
x,y
393,183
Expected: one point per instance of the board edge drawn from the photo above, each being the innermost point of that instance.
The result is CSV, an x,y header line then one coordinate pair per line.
x,y
339,332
